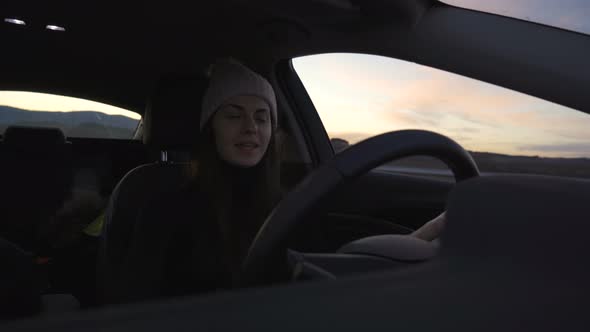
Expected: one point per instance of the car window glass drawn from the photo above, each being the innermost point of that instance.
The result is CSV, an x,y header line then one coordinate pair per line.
x,y
358,96
75,117
565,14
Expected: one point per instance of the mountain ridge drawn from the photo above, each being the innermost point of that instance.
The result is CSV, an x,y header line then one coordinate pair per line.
x,y
74,124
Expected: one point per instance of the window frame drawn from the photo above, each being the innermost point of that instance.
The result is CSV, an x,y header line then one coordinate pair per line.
x,y
308,122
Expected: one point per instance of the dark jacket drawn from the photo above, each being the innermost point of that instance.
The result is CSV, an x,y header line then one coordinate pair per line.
x,y
179,248
175,250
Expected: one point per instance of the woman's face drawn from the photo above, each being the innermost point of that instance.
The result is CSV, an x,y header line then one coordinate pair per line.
x,y
242,128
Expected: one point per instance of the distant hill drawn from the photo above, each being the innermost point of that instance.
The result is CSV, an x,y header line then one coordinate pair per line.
x,y
501,163
73,124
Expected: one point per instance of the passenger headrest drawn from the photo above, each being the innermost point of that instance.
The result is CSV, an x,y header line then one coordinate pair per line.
x,y
171,119
32,136
538,220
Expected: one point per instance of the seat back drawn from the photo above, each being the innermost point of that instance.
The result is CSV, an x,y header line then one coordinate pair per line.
x,y
20,287
140,186
36,176
171,122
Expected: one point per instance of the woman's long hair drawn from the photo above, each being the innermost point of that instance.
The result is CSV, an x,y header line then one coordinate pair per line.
x,y
212,175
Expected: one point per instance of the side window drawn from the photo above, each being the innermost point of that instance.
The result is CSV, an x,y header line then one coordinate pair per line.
x,y
75,117
358,96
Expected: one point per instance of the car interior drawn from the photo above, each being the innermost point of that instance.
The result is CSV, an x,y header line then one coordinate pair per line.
x,y
513,247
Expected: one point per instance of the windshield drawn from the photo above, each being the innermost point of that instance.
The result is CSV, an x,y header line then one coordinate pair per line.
x,y
565,14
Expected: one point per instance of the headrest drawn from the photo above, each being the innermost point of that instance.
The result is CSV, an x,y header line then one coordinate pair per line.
x,y
171,119
16,135
538,220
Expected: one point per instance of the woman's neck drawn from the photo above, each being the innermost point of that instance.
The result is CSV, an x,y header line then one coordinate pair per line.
x,y
241,179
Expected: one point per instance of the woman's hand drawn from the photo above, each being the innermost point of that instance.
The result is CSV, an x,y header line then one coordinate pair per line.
x,y
432,229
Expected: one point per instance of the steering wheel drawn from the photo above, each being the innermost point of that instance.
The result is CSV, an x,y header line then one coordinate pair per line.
x,y
351,163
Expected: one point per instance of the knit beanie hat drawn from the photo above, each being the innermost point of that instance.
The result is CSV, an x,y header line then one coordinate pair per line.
x,y
228,79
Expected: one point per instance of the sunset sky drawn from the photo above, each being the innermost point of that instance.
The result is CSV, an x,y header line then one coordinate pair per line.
x,y
567,14
358,96
46,102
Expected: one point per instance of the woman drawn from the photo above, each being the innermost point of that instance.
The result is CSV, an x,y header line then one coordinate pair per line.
x,y
196,240
237,167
